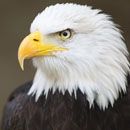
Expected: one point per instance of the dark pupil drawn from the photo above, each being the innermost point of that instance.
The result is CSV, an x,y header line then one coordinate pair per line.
x,y
65,34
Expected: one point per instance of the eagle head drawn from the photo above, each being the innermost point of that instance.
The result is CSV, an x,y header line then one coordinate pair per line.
x,y
76,47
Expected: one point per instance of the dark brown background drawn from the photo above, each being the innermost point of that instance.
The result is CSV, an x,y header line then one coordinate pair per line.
x,y
15,19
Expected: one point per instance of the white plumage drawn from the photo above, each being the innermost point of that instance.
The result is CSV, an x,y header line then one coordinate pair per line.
x,y
95,60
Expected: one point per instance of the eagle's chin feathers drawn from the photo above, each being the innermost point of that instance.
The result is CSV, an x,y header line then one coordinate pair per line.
x,y
95,60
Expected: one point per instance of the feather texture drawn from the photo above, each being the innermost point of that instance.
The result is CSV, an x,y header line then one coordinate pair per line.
x,y
63,112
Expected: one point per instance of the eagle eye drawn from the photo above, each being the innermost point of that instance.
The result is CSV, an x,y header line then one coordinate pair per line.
x,y
65,35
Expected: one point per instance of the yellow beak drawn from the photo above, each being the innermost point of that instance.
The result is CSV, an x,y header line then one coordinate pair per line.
x,y
32,46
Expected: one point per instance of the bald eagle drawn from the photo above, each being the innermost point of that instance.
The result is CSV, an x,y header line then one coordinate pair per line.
x,y
82,80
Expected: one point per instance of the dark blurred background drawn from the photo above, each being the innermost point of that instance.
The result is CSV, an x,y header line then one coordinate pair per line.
x,y
15,19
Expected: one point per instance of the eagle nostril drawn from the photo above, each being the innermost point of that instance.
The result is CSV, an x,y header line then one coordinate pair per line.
x,y
35,40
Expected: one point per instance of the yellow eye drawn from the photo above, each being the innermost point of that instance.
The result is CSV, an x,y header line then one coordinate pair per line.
x,y
65,35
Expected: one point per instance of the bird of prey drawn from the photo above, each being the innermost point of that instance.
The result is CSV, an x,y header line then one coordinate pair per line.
x,y
82,80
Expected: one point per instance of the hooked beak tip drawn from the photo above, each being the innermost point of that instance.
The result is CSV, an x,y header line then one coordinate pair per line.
x,y
21,63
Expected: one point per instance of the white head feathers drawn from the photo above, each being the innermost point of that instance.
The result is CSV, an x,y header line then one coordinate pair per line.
x,y
96,59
